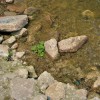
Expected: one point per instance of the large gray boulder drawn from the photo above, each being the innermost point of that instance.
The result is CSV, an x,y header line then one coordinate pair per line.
x,y
72,44
13,23
23,89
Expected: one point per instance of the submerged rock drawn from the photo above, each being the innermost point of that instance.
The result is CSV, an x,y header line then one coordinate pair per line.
x,y
51,48
30,10
72,44
13,23
88,14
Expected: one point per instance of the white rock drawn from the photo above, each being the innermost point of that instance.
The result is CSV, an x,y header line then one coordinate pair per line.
x,y
20,54
51,48
4,50
72,44
45,80
9,1
11,40
97,82
13,23
1,39
22,72
14,46
20,33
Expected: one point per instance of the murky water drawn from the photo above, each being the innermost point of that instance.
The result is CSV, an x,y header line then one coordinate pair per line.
x,y
65,17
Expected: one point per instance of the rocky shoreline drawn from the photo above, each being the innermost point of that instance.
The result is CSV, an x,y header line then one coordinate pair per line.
x,y
18,80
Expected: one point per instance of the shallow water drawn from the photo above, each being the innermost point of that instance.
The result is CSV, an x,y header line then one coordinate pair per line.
x,y
64,18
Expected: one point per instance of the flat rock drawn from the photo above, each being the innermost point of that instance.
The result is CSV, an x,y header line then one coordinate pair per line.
x,y
13,23
11,40
4,50
20,54
45,80
56,91
51,48
9,13
30,11
23,89
72,44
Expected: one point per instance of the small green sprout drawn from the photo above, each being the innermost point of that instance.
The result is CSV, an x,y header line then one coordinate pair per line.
x,y
39,49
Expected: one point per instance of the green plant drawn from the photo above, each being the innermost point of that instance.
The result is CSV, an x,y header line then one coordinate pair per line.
x,y
39,49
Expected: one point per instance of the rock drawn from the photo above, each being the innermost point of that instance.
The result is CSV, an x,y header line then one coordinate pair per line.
x,y
11,40
14,46
16,8
88,14
95,98
56,91
72,44
45,80
30,11
75,94
20,54
9,1
4,50
23,89
13,23
9,13
31,71
51,48
97,82
40,97
22,72
1,39
21,33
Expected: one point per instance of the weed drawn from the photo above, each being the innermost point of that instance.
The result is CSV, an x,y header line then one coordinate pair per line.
x,y
39,49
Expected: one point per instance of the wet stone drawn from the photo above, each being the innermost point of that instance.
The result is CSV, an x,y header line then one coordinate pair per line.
x,y
72,44
13,23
